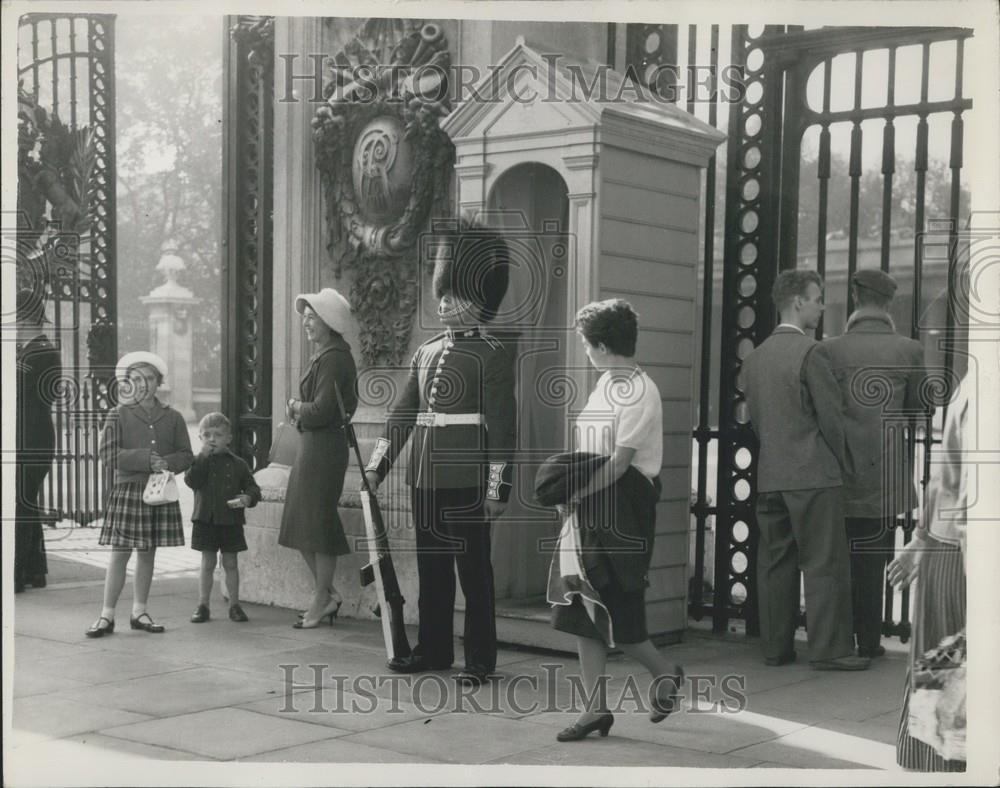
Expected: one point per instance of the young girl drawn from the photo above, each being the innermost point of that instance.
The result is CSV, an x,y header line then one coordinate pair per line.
x,y
223,487
141,436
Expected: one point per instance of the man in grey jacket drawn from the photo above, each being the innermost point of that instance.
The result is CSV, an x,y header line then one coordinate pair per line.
x,y
796,412
880,375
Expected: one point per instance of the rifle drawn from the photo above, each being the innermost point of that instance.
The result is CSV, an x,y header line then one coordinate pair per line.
x,y
380,569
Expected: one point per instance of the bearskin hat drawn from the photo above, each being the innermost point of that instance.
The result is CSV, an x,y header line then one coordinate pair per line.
x,y
471,262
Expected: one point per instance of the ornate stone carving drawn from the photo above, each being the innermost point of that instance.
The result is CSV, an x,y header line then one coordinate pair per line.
x,y
257,32
385,165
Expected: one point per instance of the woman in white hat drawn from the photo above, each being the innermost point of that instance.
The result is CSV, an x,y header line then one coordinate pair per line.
x,y
140,437
310,522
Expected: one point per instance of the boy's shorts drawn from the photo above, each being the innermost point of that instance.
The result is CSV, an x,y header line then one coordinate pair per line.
x,y
227,538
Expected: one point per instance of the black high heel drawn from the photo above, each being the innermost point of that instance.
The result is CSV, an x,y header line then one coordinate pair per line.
x,y
663,709
575,732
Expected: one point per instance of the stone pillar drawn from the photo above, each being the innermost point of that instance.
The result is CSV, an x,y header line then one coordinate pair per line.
x,y
170,318
299,248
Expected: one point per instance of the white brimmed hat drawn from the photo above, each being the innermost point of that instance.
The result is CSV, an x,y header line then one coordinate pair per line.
x,y
140,357
331,307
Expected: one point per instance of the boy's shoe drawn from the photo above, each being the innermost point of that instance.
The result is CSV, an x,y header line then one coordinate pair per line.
x,y
200,615
236,613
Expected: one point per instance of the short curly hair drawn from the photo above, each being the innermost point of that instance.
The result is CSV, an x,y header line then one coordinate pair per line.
x,y
791,283
612,322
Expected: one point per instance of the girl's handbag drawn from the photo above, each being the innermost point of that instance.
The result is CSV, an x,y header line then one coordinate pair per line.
x,y
937,702
161,488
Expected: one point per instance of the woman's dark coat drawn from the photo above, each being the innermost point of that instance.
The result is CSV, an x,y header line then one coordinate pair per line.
x,y
310,521
617,524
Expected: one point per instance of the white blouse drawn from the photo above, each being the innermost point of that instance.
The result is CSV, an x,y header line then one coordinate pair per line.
x,y
623,411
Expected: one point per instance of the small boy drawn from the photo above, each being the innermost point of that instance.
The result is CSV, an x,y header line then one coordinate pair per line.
x,y
223,487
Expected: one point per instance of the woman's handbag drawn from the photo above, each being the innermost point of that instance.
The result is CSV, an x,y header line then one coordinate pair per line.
x,y
936,713
161,488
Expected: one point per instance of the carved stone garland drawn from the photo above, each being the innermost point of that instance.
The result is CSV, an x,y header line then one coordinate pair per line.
x,y
385,165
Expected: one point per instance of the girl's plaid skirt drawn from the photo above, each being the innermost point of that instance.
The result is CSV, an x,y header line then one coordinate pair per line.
x,y
128,522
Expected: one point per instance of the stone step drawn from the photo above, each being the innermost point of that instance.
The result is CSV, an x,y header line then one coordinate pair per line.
x,y
523,623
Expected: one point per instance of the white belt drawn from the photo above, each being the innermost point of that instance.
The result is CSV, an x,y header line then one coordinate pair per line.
x,y
430,419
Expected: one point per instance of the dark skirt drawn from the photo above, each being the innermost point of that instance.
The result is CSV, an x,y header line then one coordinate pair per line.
x,y
626,608
213,538
310,521
131,524
938,611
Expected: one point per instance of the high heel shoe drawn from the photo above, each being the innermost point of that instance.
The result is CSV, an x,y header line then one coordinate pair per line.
x,y
306,623
332,610
664,708
329,612
576,731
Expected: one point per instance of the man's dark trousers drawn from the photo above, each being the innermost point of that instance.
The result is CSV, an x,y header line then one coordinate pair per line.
x,y
804,529
452,529
870,543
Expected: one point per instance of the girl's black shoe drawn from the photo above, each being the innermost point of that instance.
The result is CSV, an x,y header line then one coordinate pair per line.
x,y
98,631
200,615
575,732
145,623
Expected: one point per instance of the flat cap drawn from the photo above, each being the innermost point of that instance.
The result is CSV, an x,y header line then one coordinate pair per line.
x,y
875,280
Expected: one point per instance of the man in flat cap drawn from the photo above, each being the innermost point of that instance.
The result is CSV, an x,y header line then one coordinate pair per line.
x,y
457,408
880,375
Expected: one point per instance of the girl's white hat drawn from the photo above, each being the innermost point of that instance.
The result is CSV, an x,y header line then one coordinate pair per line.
x,y
332,308
140,357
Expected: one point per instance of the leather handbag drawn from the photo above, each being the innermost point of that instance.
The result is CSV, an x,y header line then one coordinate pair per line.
x,y
160,488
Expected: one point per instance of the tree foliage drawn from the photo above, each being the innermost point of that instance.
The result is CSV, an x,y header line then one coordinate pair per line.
x,y
169,158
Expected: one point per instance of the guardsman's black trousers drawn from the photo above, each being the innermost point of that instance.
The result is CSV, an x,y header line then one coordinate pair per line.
x,y
452,529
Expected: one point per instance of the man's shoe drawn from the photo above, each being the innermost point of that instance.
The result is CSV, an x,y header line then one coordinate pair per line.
x,y
236,613
775,662
871,653
842,663
473,677
200,615
414,665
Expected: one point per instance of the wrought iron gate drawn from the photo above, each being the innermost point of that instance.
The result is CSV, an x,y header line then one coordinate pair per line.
x,y
761,230
247,171
65,234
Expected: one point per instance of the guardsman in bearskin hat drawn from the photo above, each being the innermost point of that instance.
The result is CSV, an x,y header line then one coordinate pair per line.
x,y
458,408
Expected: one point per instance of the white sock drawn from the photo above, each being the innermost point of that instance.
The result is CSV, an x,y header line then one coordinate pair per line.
x,y
137,609
108,613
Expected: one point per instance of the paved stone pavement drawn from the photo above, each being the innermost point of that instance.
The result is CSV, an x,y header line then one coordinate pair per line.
x,y
264,692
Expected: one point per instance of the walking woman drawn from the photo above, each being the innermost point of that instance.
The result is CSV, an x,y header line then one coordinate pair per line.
x,y
622,425
141,436
38,375
310,522
935,556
